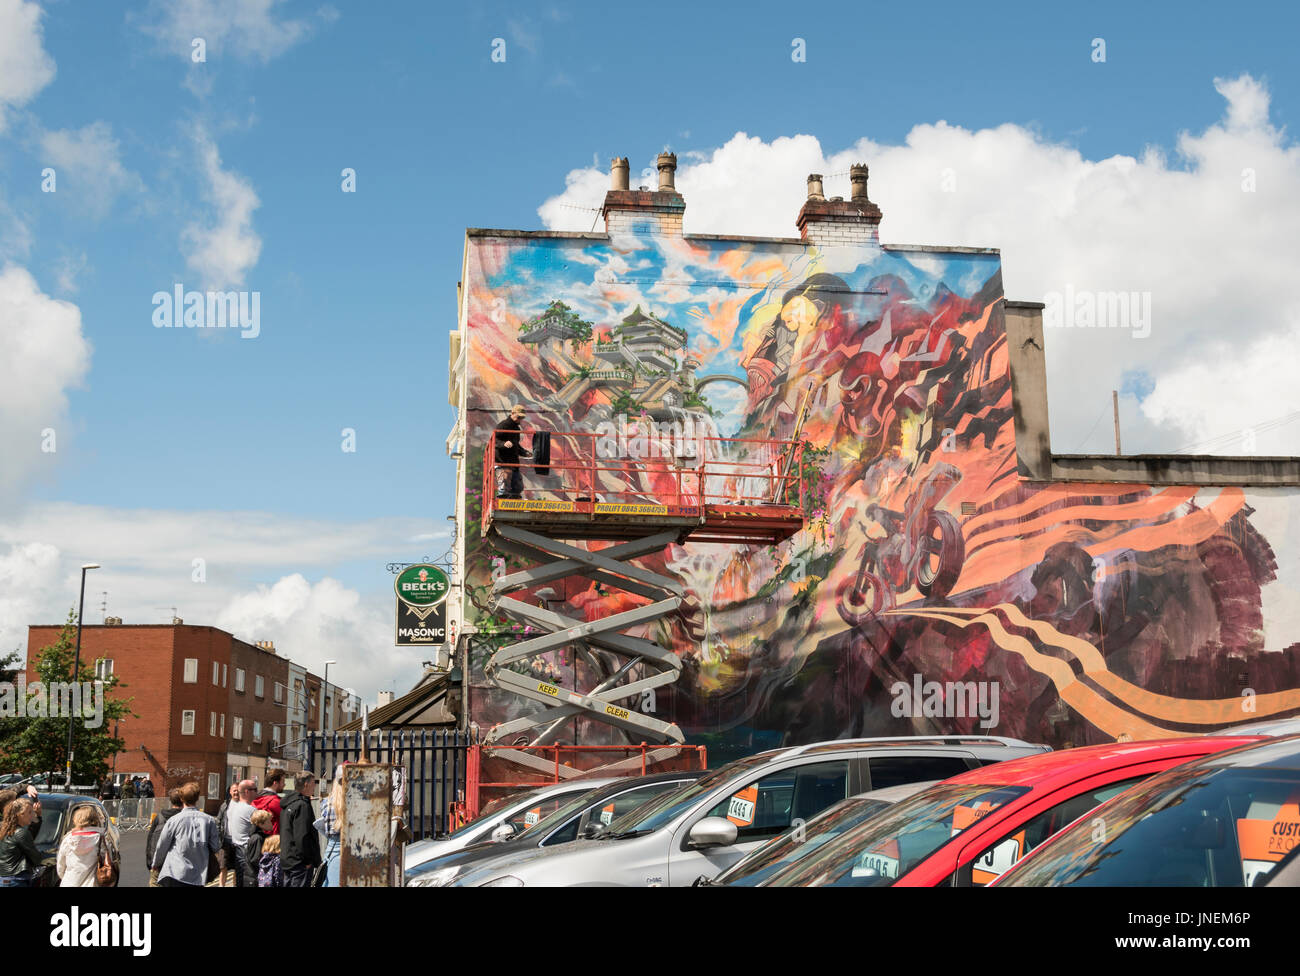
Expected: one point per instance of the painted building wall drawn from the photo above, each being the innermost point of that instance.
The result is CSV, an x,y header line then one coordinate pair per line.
x,y
1083,612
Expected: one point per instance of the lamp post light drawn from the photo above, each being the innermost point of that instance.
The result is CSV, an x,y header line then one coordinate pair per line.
x,y
323,692
76,669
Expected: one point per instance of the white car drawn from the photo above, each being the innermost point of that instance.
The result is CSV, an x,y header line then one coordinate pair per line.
x,y
704,828
502,819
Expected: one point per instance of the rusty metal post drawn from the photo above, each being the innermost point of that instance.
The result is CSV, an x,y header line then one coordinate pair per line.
x,y
365,836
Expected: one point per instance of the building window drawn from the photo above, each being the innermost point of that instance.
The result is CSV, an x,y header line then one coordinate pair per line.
x,y
259,687
191,670
104,668
239,679
223,676
222,733
257,731
279,693
237,727
187,722
216,673
214,784
275,734
212,723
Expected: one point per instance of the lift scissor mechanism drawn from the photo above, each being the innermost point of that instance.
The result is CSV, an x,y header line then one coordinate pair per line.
x,y
743,492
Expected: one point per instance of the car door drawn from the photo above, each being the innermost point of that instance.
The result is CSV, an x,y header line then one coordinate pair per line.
x,y
761,809
985,858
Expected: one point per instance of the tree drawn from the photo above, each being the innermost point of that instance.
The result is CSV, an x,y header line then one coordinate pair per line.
x,y
39,743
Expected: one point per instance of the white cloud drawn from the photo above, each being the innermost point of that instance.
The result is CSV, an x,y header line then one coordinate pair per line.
x,y
247,30
42,354
27,573
25,67
89,167
264,577
1215,258
316,622
223,247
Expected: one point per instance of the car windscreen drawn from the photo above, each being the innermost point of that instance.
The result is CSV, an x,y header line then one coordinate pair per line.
x,y
664,809
571,807
51,822
774,856
885,847
495,807
1216,826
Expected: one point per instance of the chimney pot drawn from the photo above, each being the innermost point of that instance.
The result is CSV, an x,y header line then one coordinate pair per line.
x,y
858,181
618,173
667,172
815,189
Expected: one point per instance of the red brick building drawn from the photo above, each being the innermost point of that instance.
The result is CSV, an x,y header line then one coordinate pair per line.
x,y
209,707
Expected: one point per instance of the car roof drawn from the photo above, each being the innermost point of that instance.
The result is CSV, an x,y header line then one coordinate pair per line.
x,y
976,742
626,782
63,799
1271,753
1048,767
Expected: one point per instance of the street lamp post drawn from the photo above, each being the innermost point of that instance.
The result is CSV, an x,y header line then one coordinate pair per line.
x,y
76,669
323,692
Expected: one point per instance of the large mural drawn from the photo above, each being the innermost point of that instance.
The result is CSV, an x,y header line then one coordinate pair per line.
x,y
1077,613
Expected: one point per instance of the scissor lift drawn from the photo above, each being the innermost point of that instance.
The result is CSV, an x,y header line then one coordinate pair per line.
x,y
733,491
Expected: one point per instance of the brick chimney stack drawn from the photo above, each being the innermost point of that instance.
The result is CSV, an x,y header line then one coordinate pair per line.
x,y
656,212
838,222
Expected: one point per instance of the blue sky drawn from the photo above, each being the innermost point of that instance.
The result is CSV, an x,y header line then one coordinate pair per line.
x,y
358,289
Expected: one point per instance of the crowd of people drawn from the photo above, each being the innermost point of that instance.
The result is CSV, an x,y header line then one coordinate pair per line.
x,y
256,840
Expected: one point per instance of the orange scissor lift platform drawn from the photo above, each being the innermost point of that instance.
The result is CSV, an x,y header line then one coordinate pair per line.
x,y
710,489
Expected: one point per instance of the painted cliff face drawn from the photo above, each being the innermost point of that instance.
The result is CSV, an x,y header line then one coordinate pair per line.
x,y
1082,612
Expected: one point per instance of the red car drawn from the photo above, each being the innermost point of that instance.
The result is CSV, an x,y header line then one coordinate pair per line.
x,y
968,829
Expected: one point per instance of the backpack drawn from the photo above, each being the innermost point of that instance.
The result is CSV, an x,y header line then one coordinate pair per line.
x,y
268,872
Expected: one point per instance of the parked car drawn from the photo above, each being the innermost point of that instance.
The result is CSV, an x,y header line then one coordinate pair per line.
x,y
708,826
970,828
56,820
582,816
502,819
1225,821
777,854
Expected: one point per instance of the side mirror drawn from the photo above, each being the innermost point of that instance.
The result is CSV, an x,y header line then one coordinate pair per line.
x,y
502,832
712,832
593,830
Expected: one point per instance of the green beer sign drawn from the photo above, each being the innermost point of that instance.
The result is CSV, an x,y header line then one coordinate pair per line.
x,y
422,586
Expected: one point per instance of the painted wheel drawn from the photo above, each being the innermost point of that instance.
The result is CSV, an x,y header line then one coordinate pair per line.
x,y
943,552
860,598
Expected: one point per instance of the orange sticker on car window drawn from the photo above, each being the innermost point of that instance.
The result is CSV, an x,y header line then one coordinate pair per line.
x,y
964,816
998,858
1265,842
742,807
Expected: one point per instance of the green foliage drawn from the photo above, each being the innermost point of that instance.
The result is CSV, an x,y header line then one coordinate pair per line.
x,y
624,403
34,745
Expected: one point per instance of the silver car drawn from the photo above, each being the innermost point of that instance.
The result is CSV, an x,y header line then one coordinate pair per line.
x,y
502,819
706,827
780,852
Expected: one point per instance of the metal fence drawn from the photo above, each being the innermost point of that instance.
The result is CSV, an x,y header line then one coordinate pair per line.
x,y
134,814
434,765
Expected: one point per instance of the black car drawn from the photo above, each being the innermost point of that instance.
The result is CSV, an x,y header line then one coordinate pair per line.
x,y
56,820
